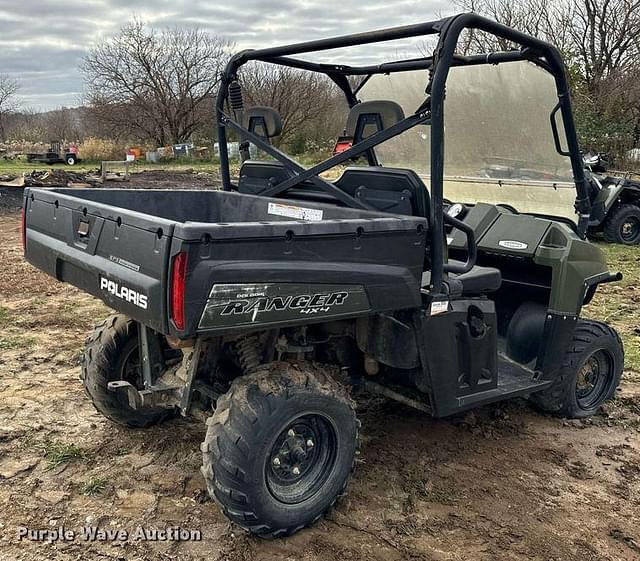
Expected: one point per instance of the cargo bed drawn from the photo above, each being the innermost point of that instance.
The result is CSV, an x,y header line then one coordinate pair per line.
x,y
238,261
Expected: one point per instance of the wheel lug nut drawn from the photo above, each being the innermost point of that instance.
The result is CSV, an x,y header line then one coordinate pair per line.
x,y
291,432
276,461
310,443
296,470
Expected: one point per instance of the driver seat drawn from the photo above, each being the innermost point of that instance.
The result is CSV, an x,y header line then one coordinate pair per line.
x,y
476,282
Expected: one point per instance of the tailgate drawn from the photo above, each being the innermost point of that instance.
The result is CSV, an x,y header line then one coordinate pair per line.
x,y
116,254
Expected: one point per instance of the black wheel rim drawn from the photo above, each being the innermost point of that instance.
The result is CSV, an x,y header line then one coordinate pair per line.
x,y
630,229
594,377
301,459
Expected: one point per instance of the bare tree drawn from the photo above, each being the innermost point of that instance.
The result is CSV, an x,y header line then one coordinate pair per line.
x,y
151,83
8,100
600,40
27,124
303,99
62,124
602,36
606,35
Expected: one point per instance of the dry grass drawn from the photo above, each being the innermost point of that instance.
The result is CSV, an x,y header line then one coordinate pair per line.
x,y
98,149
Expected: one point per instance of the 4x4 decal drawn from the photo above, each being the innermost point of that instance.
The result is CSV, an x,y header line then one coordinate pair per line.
x,y
239,304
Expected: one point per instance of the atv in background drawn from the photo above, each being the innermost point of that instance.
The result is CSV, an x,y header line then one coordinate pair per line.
x,y
55,155
615,202
615,210
511,168
598,162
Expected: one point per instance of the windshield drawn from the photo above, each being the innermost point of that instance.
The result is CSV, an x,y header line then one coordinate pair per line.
x,y
498,143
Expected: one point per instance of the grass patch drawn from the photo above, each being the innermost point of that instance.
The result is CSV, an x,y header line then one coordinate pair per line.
x,y
426,490
17,167
29,439
447,497
5,316
13,167
58,454
68,306
9,342
618,303
95,486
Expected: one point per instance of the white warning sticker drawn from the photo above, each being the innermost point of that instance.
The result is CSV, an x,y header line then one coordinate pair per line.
x,y
439,307
298,212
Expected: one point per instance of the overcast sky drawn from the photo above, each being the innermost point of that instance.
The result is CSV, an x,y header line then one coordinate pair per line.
x,y
42,42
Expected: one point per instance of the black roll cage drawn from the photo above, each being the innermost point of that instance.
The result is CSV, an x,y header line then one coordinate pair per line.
x,y
431,111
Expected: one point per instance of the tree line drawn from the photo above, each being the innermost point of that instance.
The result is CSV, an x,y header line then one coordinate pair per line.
x,y
157,87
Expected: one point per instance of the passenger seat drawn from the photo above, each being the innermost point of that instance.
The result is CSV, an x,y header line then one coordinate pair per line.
x,y
476,282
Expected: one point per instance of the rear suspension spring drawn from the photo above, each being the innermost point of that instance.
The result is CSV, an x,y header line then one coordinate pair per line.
x,y
249,355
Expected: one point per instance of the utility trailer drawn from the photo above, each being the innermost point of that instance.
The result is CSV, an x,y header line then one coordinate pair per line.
x,y
55,155
264,306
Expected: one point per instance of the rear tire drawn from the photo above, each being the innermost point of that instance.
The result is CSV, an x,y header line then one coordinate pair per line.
x,y
280,447
110,355
590,373
623,225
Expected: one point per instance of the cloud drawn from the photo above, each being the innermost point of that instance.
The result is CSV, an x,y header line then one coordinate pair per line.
x,y
42,43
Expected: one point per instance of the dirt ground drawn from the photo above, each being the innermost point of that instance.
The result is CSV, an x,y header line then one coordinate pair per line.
x,y
500,483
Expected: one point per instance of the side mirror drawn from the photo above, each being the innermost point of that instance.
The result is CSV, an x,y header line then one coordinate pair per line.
x,y
554,130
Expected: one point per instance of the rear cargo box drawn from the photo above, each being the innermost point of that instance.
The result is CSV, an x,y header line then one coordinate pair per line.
x,y
251,261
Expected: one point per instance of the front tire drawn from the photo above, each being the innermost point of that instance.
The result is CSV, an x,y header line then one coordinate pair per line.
x,y
590,373
623,225
71,160
280,447
111,354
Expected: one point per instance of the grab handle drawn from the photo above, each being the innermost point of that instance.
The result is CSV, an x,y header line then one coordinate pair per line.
x,y
472,247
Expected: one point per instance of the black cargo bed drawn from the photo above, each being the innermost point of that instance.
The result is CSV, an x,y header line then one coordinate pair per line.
x,y
128,237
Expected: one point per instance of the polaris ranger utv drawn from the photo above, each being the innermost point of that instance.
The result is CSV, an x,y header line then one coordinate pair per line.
x,y
260,305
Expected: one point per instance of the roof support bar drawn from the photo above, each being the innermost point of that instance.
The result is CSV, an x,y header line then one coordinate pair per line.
x,y
423,63
366,38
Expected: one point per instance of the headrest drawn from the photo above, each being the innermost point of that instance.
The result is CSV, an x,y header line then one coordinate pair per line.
x,y
379,114
263,121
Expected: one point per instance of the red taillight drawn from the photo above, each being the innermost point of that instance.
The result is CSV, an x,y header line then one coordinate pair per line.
x,y
342,146
178,279
23,230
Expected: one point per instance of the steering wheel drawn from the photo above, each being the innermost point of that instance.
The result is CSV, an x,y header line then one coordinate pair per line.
x,y
457,210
